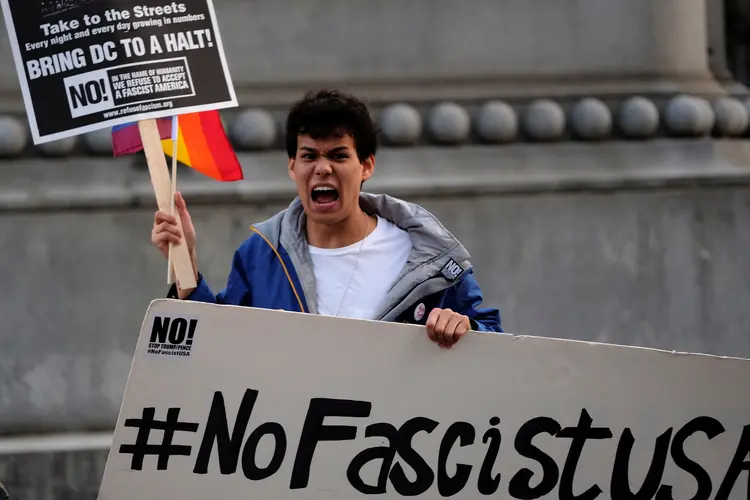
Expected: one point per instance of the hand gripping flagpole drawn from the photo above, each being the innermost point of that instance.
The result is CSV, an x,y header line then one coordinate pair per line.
x,y
157,166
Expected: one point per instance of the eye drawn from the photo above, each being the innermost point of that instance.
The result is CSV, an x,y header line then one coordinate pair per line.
x,y
308,156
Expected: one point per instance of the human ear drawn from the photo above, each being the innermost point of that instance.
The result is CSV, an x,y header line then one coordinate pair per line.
x,y
368,168
292,172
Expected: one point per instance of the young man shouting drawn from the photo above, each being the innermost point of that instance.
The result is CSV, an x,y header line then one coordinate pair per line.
x,y
338,251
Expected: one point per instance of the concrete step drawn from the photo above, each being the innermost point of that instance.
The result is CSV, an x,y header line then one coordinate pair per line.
x,y
54,467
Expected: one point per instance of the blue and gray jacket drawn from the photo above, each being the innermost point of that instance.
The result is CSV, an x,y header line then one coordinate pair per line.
x,y
273,270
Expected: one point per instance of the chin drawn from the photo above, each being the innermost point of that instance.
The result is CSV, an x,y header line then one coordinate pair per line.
x,y
324,214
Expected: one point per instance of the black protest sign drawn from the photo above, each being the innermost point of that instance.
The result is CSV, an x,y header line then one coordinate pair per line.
x,y
90,64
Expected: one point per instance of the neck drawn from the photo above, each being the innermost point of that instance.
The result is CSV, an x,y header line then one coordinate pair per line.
x,y
347,232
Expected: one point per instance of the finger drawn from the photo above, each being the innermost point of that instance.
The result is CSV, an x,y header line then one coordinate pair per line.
x,y
464,326
165,236
452,333
431,320
443,320
164,239
179,203
160,217
440,325
166,227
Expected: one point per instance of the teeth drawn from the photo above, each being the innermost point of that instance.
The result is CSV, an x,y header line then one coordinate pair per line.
x,y
324,188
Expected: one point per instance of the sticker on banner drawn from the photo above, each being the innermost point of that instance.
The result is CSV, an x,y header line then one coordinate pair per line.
x,y
172,336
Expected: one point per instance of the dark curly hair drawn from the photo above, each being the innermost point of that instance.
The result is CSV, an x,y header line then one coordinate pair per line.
x,y
330,113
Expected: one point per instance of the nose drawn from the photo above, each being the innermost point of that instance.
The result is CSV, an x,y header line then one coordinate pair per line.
x,y
323,166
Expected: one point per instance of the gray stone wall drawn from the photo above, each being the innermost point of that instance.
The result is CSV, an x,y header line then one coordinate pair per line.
x,y
643,260
53,476
639,240
438,49
646,249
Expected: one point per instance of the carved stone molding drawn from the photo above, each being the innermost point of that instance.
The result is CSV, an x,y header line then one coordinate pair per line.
x,y
450,123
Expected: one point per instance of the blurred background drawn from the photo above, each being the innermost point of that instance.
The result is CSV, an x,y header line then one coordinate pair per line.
x,y
592,155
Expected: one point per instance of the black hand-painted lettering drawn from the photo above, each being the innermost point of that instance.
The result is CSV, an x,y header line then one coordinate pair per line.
x,y
313,431
424,473
178,331
160,330
191,331
712,428
486,483
579,435
459,434
385,453
520,484
739,463
249,466
145,425
464,433
217,430
620,485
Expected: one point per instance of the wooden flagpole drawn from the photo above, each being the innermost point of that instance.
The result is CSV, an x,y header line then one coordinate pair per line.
x,y
157,166
171,278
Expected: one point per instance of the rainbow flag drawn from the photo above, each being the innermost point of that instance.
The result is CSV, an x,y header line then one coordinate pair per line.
x,y
126,138
202,144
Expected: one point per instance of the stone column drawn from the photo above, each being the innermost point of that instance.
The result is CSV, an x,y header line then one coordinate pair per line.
x,y
475,49
472,49
717,46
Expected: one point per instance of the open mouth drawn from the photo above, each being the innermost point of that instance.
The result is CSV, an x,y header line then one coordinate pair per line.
x,y
324,195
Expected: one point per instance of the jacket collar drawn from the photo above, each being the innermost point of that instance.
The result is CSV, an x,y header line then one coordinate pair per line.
x,y
433,246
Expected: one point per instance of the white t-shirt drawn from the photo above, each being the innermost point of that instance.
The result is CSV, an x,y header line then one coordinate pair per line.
x,y
382,257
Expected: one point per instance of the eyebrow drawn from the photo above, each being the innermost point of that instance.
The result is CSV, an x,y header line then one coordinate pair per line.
x,y
332,151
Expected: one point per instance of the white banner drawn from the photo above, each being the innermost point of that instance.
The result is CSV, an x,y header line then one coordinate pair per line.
x,y
236,403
